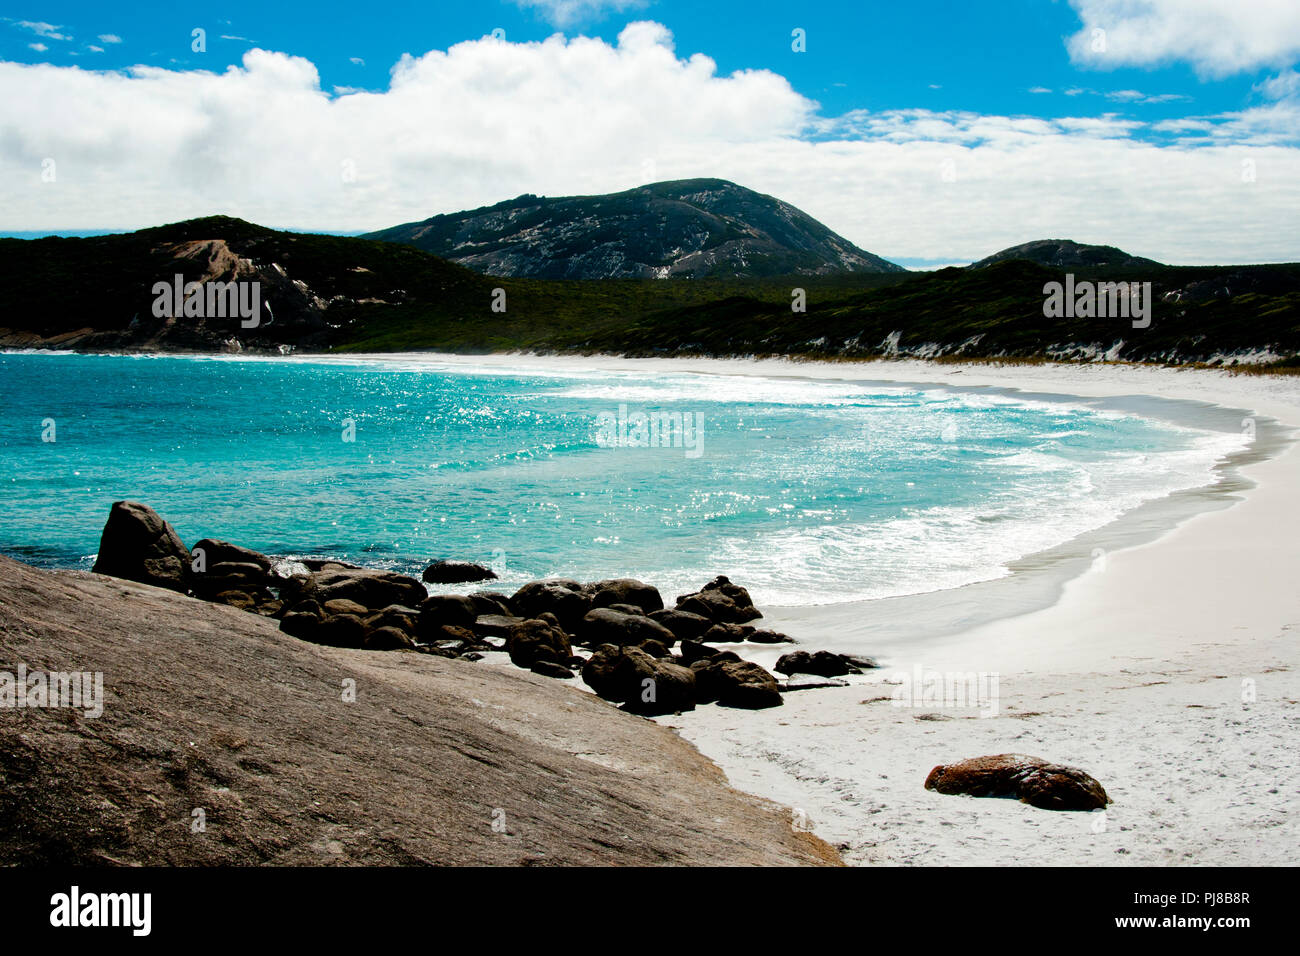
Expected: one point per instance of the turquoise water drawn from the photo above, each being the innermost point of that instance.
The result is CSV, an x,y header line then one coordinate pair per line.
x,y
806,492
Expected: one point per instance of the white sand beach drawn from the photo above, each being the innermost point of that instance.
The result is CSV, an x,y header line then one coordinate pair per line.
x,y
1165,669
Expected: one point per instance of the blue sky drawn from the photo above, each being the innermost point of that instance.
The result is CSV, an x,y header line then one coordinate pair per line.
x,y
1008,100
940,55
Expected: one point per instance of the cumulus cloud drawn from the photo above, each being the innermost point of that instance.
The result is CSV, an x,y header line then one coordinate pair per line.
x,y
487,120
1218,37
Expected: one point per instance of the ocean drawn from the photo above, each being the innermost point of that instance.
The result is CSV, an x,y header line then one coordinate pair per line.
x,y
806,492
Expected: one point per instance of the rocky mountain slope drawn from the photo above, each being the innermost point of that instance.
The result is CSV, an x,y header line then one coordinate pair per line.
x,y
688,228
207,708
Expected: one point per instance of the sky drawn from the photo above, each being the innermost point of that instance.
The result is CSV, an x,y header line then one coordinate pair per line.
x,y
927,132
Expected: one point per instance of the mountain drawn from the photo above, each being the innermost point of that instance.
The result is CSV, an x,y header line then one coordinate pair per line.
x,y
321,293
1067,254
691,228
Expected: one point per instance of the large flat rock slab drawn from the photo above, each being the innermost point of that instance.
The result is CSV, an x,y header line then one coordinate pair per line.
x,y
436,761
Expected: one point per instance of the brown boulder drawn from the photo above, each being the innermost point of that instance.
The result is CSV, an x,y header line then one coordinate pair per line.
x,y
457,572
387,639
531,641
606,626
1031,780
138,545
642,684
339,630
368,587
551,669
563,597
721,602
211,551
733,682
684,625
625,591
821,663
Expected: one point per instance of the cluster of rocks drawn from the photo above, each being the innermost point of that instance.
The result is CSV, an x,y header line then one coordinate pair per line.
x,y
629,647
649,658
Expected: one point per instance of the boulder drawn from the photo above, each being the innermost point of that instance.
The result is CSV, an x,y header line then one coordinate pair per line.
x,y
721,602
495,625
625,591
339,630
307,606
489,602
821,663
530,641
735,683
654,648
447,609
138,545
456,640
387,639
685,625
269,608
405,619
370,588
693,651
625,609
769,637
327,564
561,596
642,684
457,572
606,626
1032,780
228,576
344,606
237,599
215,552
551,669
728,633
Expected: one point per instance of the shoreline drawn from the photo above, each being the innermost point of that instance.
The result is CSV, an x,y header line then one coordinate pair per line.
x,y
1134,667
1165,671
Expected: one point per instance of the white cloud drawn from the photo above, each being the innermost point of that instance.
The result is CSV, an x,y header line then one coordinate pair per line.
x,y
1282,86
487,120
94,49
356,61
47,30
109,38
1218,37
38,47
1137,96
563,13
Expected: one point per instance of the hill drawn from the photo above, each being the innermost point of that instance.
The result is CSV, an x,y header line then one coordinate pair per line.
x,y
693,228
1067,254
